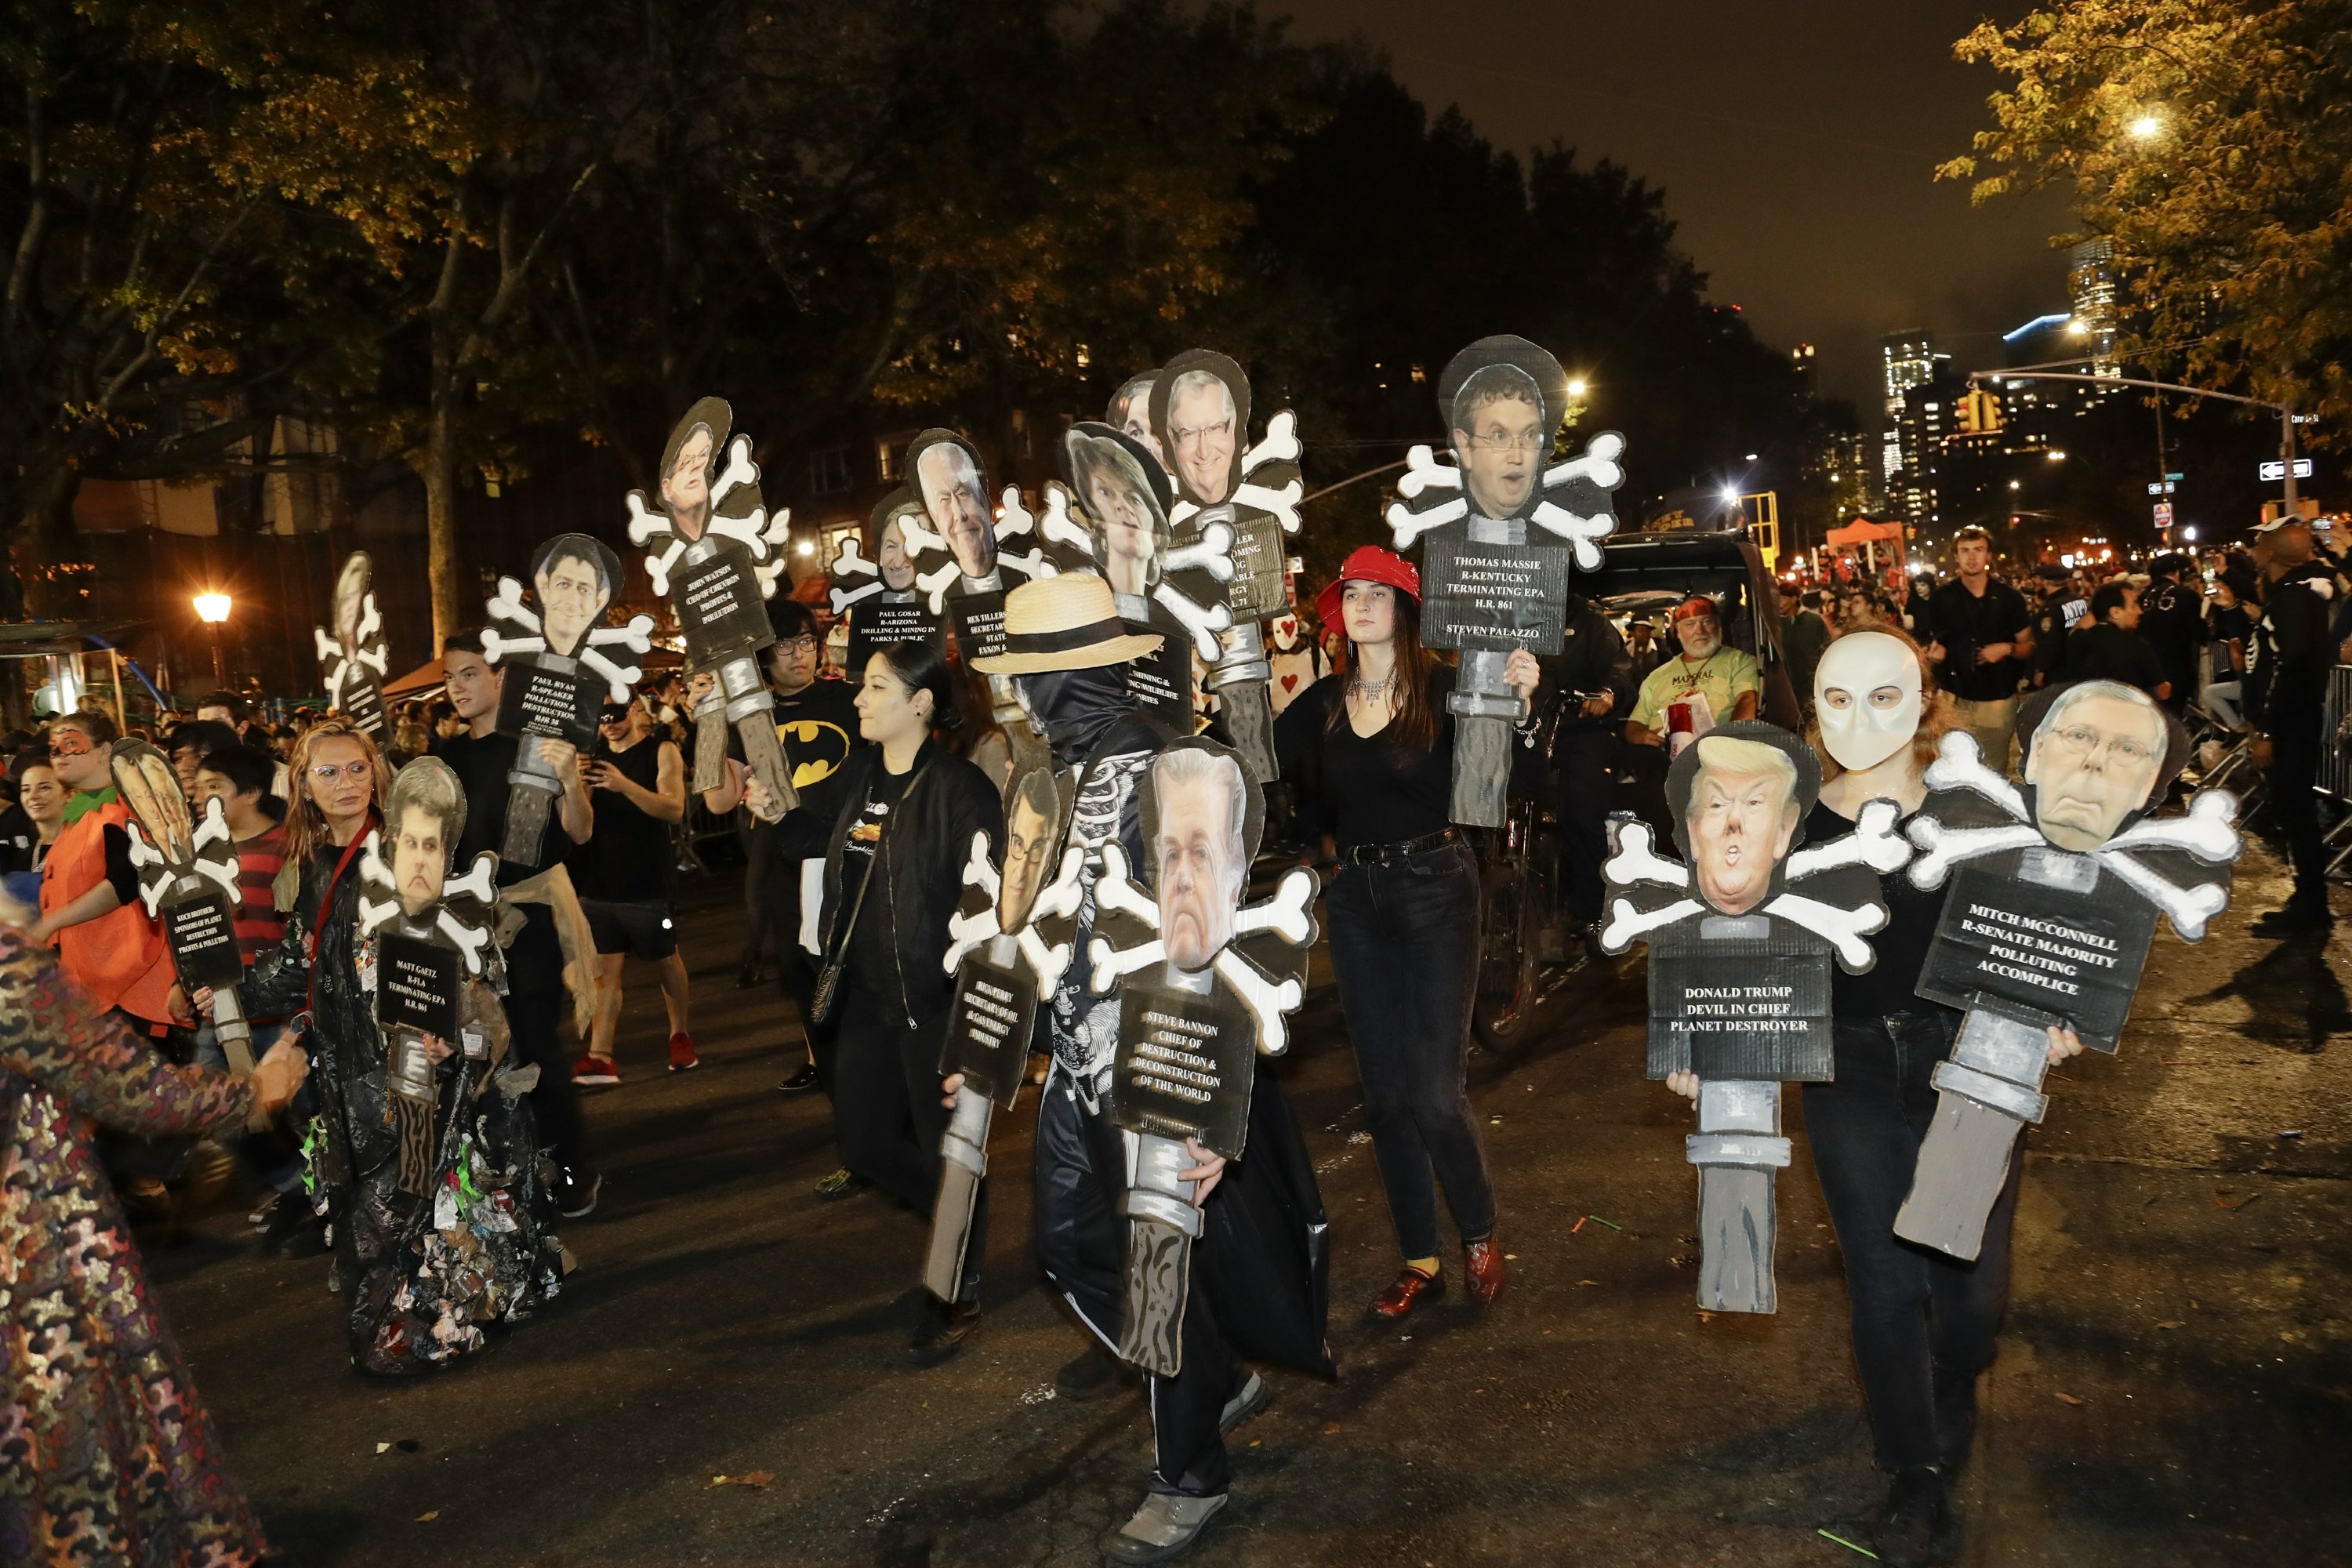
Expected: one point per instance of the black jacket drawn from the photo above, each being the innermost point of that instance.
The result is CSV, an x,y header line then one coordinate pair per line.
x,y
1591,659
2287,683
921,858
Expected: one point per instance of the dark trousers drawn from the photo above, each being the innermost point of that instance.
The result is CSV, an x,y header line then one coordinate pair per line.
x,y
536,1005
1580,759
887,1115
764,875
2294,778
1921,1319
1404,949
1081,1167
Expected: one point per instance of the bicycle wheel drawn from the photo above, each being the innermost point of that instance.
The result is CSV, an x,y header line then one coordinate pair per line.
x,y
1508,967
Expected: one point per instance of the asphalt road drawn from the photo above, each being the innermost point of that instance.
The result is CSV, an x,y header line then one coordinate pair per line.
x,y
2174,1384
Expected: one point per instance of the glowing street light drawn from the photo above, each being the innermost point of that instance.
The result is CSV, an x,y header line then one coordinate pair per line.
x,y
2147,127
212,608
1577,387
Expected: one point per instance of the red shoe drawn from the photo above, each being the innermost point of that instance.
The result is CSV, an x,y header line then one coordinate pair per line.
x,y
1412,1285
595,1071
682,1053
1483,1262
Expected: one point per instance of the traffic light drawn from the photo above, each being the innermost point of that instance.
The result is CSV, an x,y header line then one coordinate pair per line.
x,y
1980,413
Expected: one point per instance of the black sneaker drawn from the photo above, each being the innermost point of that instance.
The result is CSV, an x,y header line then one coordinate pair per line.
x,y
800,1082
940,1330
748,975
1913,1521
576,1199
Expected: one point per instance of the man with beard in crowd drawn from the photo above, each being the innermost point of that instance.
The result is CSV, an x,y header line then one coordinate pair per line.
x,y
1727,679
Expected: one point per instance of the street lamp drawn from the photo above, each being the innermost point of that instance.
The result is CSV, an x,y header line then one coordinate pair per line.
x,y
2146,128
1577,387
212,608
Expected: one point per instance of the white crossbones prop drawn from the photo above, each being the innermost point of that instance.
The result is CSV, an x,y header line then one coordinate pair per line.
x,y
1633,860
471,940
755,530
1057,901
1280,446
1288,915
2207,833
508,605
850,561
1210,553
1015,520
1598,468
216,859
336,669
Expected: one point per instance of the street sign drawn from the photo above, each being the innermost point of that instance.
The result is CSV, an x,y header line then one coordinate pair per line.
x,y
2159,488
2164,514
2275,470
2176,478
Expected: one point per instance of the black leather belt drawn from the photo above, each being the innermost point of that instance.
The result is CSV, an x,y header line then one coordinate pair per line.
x,y
1389,854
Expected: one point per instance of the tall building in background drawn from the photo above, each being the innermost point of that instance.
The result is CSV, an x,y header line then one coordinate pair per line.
x,y
1910,360
1802,357
2091,286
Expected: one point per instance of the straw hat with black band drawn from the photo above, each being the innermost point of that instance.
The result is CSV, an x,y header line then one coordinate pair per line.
x,y
1065,622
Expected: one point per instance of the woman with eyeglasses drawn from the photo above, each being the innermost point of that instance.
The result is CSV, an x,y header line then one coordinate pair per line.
x,y
340,783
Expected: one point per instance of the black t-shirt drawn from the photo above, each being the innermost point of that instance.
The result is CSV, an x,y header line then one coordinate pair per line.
x,y
2172,623
2236,625
2107,652
1891,984
18,839
627,857
1964,622
870,950
817,726
481,766
1372,790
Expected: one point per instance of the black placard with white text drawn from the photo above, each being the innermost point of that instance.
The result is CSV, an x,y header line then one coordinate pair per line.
x,y
888,621
989,1028
2036,951
364,705
416,987
720,610
550,703
978,624
1492,595
1741,1006
201,931
1186,1065
1161,682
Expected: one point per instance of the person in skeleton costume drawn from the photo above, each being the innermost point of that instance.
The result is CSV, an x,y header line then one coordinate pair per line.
x,y
447,1220
1742,933
1923,1325
1372,756
353,660
1502,525
1256,1281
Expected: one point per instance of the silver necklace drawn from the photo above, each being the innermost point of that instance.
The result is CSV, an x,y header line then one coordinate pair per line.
x,y
1373,690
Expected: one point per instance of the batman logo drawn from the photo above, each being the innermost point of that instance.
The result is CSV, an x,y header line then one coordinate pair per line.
x,y
815,748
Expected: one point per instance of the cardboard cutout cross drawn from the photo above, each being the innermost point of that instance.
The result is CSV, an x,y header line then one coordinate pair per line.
x,y
353,659
189,882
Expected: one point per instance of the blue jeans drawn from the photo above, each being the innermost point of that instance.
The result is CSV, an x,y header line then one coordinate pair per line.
x,y
265,1155
1924,1324
1404,949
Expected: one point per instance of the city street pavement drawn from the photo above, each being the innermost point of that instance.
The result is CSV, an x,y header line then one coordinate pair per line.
x,y
2174,1385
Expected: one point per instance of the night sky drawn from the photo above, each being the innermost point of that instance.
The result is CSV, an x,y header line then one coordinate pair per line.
x,y
1795,143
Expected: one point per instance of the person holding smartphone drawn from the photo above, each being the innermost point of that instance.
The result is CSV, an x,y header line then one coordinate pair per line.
x,y
627,877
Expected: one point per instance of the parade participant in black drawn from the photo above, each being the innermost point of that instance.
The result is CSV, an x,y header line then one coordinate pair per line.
x,y
627,878
1982,642
1923,1324
1258,1270
893,875
2235,602
816,724
2172,621
2108,646
538,958
2286,698
1374,769
1593,662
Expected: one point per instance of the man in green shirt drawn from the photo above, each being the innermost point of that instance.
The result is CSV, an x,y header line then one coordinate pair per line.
x,y
1727,679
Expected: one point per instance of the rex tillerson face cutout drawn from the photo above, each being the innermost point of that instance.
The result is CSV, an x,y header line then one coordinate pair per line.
x,y
1866,697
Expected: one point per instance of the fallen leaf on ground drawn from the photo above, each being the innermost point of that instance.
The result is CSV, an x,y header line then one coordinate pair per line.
x,y
748,1478
2069,1399
2173,1323
1587,1282
1329,1427
428,1517
382,1448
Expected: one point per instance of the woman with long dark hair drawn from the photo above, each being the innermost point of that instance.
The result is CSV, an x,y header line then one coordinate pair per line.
x,y
908,810
1374,760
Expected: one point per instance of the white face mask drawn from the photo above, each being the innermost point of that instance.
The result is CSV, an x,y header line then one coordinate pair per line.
x,y
1866,697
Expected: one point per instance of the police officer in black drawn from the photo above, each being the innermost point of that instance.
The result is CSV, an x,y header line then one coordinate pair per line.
x,y
2286,693
2172,622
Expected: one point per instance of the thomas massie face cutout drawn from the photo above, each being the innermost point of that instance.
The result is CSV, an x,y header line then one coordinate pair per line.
x,y
420,860
1500,454
2094,761
1741,820
1198,847
1866,697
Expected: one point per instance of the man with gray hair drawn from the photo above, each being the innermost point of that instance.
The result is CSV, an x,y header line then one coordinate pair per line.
x,y
1198,845
1200,420
949,482
2094,759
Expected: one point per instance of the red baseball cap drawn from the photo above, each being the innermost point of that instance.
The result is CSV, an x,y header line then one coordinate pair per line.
x,y
1367,563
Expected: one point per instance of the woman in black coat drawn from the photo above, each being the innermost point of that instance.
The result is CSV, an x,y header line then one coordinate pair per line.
x,y
892,879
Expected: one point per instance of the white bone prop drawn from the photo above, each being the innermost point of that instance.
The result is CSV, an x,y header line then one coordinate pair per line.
x,y
1845,928
1046,961
740,470
644,526
1114,891
842,598
919,539
373,914
619,679
496,646
1583,533
1033,564
1948,846
224,874
1289,914
1212,552
1016,516
506,604
1407,526
476,883
1280,446
1266,999
1626,923
849,561
1636,860
2208,832
1203,624
1058,900
471,940
1281,505
936,583
1054,525
1873,843
1960,764
2187,908
1599,464
1109,966
1421,470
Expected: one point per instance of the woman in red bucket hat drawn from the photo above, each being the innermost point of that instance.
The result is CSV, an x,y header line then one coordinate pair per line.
x,y
1375,774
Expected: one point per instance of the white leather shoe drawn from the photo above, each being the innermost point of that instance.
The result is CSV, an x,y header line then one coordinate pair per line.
x,y
1166,1526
